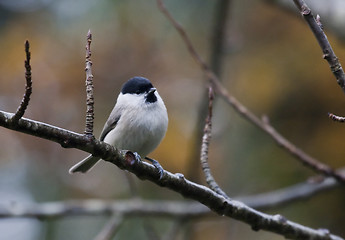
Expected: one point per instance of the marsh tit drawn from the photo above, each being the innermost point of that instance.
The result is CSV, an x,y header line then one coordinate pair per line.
x,y
137,123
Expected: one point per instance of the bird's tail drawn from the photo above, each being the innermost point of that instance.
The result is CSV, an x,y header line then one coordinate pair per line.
x,y
84,165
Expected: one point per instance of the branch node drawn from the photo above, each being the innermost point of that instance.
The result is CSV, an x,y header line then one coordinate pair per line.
x,y
255,227
305,10
65,143
180,176
336,118
280,218
318,21
324,232
326,56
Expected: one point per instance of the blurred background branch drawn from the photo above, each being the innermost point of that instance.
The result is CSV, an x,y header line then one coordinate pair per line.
x,y
160,208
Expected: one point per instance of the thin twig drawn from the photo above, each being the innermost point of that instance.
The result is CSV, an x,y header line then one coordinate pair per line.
x,y
328,53
205,147
336,118
241,109
89,88
110,229
28,86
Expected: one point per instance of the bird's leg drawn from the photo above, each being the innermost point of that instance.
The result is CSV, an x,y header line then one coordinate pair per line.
x,y
156,164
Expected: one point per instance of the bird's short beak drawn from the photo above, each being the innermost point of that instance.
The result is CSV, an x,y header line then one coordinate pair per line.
x,y
151,96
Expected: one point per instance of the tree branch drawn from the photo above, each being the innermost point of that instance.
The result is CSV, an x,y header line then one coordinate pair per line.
x,y
175,182
304,158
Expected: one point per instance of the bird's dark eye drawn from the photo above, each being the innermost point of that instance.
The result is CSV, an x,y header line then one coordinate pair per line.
x,y
137,92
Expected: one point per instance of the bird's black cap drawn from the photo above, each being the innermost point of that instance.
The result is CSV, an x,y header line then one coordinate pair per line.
x,y
137,85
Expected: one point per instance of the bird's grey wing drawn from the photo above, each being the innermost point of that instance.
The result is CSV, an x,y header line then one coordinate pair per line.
x,y
111,122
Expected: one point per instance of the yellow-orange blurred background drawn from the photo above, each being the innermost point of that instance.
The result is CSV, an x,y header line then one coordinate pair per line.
x,y
272,64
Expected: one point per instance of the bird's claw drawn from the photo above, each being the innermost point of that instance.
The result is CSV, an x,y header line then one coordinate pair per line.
x,y
156,164
137,156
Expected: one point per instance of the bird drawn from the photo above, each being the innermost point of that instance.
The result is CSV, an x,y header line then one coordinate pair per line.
x,y
138,123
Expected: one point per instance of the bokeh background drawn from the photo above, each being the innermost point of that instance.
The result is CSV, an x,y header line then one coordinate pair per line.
x,y
271,63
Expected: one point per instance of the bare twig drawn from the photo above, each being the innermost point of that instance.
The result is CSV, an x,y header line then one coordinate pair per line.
x,y
28,86
205,146
89,88
328,53
241,109
110,229
336,118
